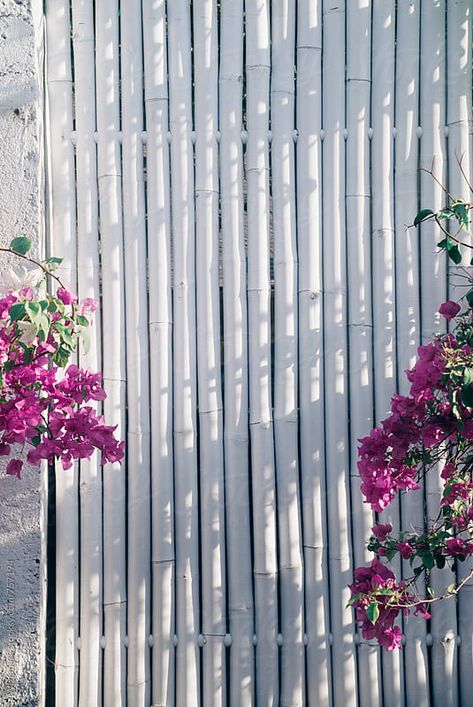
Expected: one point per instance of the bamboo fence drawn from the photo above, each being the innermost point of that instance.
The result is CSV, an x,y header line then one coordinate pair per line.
x,y
233,181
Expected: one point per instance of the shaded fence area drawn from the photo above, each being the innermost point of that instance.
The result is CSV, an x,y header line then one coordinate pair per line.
x,y
232,180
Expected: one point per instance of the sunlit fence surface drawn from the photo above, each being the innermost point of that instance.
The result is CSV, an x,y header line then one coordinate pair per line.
x,y
233,181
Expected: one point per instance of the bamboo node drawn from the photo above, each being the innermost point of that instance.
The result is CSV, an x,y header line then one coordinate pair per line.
x,y
394,132
428,639
370,133
78,643
306,639
227,640
125,641
419,131
322,134
150,641
201,640
102,642
255,640
244,136
330,639
345,134
280,639
175,640
446,130
295,135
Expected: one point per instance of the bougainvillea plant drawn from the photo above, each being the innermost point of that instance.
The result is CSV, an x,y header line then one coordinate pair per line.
x,y
428,431
47,403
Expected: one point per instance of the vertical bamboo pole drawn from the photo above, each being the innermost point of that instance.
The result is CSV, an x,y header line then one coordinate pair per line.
x,y
459,36
434,291
312,419
90,685
160,341
113,337
212,492
360,321
240,591
137,361
383,225
259,333
335,353
285,352
407,292
63,242
185,444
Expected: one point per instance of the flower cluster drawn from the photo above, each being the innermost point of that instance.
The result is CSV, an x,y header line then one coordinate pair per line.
x,y
430,430
46,414
378,599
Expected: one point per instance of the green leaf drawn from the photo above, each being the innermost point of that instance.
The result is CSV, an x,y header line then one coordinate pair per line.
x,y
469,297
64,333
21,245
428,561
33,310
440,561
466,396
422,215
28,355
444,213
61,356
454,254
451,588
460,209
17,311
353,599
372,612
52,263
468,375
36,441
83,321
431,592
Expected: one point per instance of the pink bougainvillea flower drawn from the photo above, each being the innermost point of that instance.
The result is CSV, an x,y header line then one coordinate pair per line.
x,y
14,467
449,309
381,531
405,549
65,296
456,546
366,588
88,305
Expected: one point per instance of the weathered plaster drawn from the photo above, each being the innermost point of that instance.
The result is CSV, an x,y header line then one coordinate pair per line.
x,y
21,502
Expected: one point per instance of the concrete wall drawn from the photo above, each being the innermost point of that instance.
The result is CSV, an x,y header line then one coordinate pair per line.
x,y
21,502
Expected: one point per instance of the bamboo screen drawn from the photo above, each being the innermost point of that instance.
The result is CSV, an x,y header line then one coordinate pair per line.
x,y
232,180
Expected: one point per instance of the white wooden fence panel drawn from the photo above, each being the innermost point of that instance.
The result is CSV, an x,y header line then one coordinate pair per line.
x,y
235,354
160,346
88,285
233,181
63,237
109,173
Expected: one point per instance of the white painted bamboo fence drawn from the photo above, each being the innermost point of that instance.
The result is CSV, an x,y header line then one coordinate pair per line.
x,y
232,179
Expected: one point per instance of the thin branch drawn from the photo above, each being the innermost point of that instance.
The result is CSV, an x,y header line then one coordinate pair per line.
x,y
35,262
462,170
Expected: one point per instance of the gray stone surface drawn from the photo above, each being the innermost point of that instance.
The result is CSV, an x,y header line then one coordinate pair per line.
x,y
21,502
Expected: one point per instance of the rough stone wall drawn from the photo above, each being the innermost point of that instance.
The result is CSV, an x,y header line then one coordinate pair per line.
x,y
21,502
